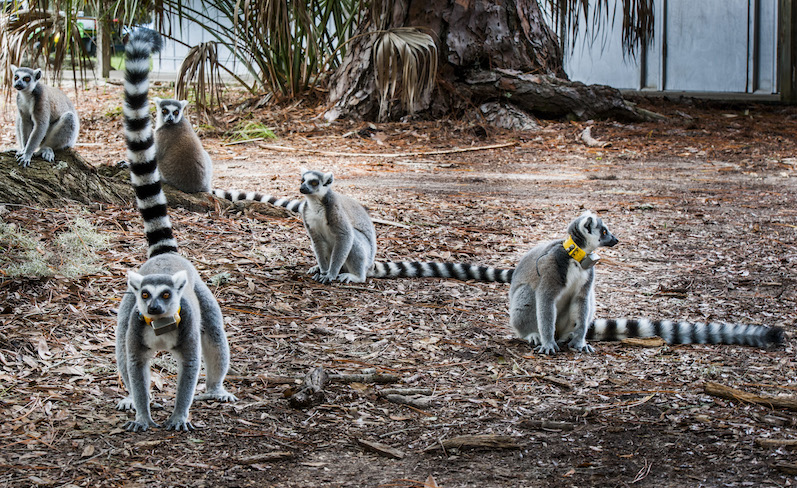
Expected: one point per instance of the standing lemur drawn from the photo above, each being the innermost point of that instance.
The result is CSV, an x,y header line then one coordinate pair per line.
x,y
182,160
167,305
552,300
46,119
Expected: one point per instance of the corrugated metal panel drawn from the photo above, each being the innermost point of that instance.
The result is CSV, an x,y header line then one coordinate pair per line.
x,y
720,46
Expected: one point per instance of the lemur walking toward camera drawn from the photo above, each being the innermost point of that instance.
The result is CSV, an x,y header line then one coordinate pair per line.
x,y
46,119
552,300
167,305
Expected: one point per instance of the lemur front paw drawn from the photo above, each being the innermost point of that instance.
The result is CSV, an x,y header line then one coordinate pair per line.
x,y
24,159
47,154
179,424
349,278
323,278
139,426
219,396
314,270
126,404
580,346
550,348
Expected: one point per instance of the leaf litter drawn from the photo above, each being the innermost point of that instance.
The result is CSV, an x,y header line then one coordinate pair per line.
x,y
703,205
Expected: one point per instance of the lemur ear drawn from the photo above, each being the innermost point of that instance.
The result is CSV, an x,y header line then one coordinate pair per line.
x,y
134,280
37,74
157,101
183,103
327,179
180,278
588,223
14,68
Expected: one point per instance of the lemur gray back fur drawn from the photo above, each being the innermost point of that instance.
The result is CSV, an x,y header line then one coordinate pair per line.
x,y
46,119
167,305
552,301
182,160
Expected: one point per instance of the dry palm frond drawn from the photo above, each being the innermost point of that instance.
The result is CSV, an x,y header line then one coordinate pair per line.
x,y
637,20
201,68
405,63
42,39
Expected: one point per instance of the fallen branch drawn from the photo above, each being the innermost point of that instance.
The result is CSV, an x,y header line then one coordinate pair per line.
x,y
388,155
421,403
379,448
312,389
266,457
586,138
488,441
274,380
547,425
654,341
405,391
787,443
378,378
723,391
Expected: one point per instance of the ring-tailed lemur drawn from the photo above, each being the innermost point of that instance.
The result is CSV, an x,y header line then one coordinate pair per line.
x,y
46,119
341,232
167,305
182,160
389,269
552,300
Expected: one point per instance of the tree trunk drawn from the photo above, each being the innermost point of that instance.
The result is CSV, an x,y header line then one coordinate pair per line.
x,y
495,50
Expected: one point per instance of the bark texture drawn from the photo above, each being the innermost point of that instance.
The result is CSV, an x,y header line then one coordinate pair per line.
x,y
495,50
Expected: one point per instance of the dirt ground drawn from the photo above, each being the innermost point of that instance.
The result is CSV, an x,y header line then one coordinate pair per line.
x,y
703,204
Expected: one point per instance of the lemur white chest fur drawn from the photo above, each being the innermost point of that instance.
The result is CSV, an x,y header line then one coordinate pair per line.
x,y
577,279
315,216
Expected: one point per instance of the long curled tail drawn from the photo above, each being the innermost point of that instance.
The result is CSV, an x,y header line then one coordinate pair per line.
x,y
459,271
251,196
685,332
144,174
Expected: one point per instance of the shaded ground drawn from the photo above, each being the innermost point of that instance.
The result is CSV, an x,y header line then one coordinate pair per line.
x,y
703,205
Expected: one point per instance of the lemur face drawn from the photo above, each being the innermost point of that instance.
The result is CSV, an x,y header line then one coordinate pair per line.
x,y
25,79
315,182
169,111
591,232
158,295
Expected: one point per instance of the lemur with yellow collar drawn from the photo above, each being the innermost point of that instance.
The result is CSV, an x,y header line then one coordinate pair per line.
x,y
167,306
552,300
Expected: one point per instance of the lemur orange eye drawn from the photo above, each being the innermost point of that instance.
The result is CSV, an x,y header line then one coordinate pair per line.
x,y
165,112
166,295
176,112
27,78
145,295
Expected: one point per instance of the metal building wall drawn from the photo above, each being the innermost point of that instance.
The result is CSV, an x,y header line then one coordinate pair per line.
x,y
706,47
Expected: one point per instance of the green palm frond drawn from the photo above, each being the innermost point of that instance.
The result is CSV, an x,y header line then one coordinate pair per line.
x,y
405,64
201,68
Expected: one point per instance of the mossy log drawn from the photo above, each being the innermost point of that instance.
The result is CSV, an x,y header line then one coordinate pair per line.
x,y
70,178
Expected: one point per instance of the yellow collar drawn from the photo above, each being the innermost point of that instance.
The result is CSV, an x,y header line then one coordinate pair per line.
x,y
573,250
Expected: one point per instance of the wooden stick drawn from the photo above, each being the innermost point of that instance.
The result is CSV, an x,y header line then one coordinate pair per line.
x,y
477,441
723,391
312,390
388,155
586,138
379,448
787,443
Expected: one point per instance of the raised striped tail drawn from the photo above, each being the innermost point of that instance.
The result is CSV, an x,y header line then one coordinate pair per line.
x,y
144,174
251,196
459,271
685,332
